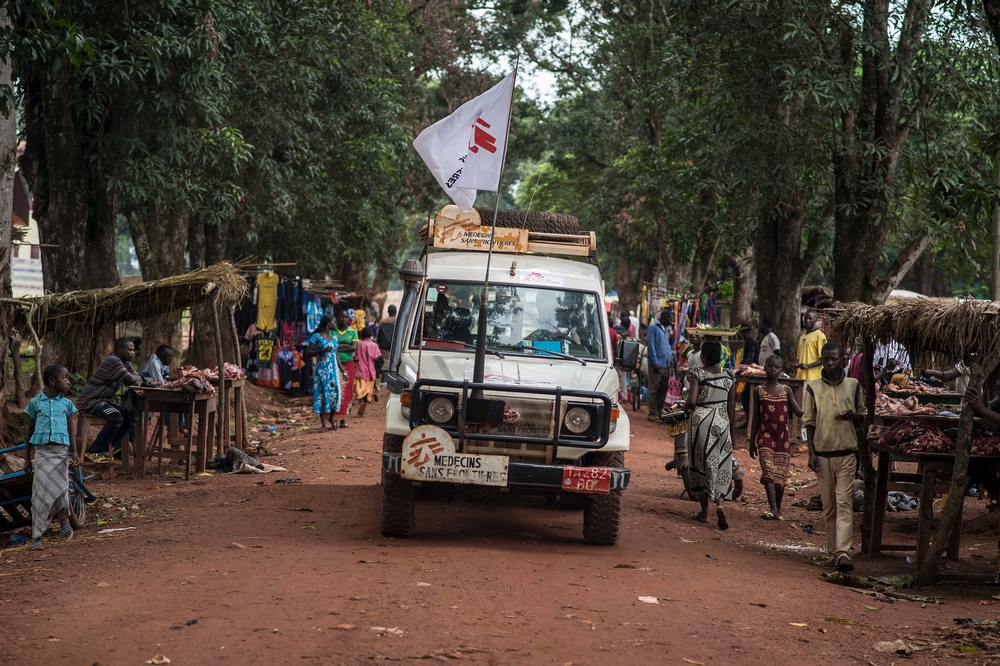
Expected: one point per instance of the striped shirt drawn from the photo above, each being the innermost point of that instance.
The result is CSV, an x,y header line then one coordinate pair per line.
x,y
104,384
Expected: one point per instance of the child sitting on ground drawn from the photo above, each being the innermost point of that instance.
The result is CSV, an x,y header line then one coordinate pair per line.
x,y
770,435
50,435
364,382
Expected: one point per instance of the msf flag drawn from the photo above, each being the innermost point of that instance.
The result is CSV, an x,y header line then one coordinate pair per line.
x,y
465,151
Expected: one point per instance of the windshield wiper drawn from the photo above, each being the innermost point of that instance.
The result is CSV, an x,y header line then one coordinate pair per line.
x,y
523,350
429,343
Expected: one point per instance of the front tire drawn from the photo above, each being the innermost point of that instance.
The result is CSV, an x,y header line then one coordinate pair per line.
x,y
77,505
396,514
602,515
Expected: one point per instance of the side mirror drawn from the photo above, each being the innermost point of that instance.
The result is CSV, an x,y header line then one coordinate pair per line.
x,y
627,355
385,332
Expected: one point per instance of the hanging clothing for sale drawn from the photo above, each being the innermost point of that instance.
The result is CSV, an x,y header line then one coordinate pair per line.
x,y
267,301
314,312
246,313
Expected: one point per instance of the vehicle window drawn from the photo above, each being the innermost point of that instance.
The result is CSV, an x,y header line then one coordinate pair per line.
x,y
558,320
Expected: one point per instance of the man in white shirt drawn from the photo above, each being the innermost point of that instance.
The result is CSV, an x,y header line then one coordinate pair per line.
x,y
769,343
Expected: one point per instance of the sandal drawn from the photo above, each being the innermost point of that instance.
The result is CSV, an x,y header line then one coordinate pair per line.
x,y
66,531
697,516
36,545
721,515
767,515
343,424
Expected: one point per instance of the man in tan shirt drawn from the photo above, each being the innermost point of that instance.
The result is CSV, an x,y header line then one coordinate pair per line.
x,y
834,407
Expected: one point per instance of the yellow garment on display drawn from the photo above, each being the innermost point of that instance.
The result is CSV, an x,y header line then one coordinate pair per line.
x,y
359,319
267,301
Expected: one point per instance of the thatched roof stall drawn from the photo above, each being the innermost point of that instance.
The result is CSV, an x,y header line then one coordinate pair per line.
x,y
952,331
94,307
967,331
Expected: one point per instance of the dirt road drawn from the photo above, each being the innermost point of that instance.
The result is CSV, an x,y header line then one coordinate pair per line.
x,y
241,570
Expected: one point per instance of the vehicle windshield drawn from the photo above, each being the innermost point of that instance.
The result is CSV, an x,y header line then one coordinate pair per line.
x,y
525,318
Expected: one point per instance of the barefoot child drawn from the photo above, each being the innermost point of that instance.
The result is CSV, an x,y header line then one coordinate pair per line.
x,y
364,384
50,434
770,436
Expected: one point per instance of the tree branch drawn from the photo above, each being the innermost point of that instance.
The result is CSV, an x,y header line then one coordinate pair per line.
x,y
992,9
903,263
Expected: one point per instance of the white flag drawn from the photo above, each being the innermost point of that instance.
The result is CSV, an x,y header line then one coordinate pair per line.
x,y
465,150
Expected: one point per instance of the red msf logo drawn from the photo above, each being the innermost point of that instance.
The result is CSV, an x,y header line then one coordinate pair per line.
x,y
481,138
422,450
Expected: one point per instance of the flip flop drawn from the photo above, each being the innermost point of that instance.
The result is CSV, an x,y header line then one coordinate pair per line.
x,y
66,531
721,515
697,516
36,545
767,515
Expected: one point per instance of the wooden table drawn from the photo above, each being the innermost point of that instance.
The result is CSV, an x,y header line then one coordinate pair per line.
x,y
925,481
199,410
234,390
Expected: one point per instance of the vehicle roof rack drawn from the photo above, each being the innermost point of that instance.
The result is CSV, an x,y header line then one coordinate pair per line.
x,y
454,230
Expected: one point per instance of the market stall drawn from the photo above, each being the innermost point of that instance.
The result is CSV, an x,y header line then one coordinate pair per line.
x,y
220,284
918,423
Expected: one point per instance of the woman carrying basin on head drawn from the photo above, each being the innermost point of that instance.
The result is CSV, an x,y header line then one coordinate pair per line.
x,y
711,402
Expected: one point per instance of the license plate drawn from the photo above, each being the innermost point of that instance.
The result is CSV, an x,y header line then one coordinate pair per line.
x,y
587,479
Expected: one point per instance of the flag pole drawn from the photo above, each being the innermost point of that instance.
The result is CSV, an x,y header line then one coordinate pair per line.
x,y
479,368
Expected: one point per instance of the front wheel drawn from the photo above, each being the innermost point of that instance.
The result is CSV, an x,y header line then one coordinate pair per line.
x,y
396,515
77,504
602,515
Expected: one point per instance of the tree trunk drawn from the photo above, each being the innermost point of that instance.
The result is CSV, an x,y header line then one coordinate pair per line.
x,y
992,9
8,167
353,277
76,217
708,241
629,288
779,288
207,246
744,283
159,239
866,161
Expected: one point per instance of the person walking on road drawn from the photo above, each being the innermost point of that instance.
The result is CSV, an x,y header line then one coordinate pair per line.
x,y
660,359
770,436
711,402
347,345
326,378
834,407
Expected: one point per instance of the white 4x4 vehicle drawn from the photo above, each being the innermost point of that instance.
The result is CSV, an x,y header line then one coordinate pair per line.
x,y
545,418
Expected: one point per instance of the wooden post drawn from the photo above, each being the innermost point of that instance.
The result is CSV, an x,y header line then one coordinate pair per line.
x,y
16,362
222,403
995,281
980,369
868,376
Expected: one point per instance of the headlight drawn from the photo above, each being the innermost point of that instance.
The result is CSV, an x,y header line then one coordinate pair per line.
x,y
577,420
440,410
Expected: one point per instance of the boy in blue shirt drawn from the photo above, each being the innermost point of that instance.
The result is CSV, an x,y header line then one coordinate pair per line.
x,y
50,436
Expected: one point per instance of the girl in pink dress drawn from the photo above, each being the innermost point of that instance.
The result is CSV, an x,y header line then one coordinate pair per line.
x,y
770,435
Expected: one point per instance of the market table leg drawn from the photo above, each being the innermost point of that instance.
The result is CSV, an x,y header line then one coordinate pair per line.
x,y
240,416
204,433
925,518
881,493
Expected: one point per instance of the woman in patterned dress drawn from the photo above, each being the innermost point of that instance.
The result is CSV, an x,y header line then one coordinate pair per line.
x,y
711,402
326,378
770,435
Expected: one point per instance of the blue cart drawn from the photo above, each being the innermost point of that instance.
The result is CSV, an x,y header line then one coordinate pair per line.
x,y
15,497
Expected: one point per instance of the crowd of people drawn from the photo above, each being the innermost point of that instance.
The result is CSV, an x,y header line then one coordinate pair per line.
x,y
833,407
